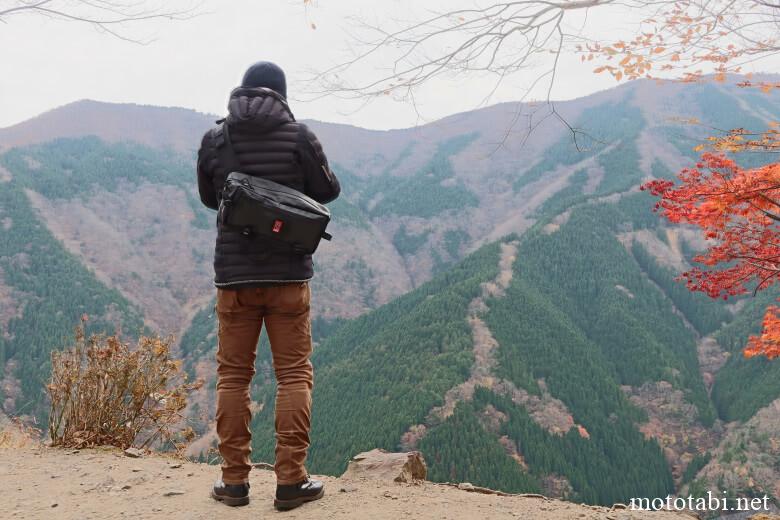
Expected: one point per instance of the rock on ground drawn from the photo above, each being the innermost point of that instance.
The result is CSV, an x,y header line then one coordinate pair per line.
x,y
391,467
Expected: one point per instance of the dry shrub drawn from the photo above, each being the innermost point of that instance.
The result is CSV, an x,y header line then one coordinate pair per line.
x,y
16,434
102,392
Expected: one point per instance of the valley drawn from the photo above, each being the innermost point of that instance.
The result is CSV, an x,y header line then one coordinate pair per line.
x,y
510,311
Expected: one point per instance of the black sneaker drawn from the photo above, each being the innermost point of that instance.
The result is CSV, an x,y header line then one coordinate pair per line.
x,y
230,494
294,495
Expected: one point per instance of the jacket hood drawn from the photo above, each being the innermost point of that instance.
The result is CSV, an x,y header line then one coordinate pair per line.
x,y
259,108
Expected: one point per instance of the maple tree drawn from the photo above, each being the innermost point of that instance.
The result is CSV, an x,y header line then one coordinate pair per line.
x,y
738,210
686,37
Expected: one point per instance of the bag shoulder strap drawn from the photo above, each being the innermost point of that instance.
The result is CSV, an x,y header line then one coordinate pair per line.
x,y
226,155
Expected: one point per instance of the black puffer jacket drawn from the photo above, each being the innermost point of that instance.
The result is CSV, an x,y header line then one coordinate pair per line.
x,y
269,143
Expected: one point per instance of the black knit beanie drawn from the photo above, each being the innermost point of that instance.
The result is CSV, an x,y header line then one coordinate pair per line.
x,y
265,74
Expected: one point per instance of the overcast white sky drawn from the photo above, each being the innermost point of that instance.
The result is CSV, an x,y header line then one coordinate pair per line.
x,y
48,63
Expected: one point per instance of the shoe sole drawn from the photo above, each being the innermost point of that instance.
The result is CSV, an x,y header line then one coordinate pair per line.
x,y
230,501
286,505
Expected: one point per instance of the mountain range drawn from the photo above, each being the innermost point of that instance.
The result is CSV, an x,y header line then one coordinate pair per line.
x,y
503,301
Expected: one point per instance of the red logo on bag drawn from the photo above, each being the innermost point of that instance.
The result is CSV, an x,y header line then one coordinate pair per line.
x,y
277,226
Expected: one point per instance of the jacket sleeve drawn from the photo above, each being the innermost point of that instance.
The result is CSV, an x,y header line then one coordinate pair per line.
x,y
208,195
321,183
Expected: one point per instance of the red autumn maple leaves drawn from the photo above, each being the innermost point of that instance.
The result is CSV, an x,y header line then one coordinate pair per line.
x,y
738,210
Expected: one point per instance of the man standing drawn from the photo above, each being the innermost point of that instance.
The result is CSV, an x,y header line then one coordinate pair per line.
x,y
259,280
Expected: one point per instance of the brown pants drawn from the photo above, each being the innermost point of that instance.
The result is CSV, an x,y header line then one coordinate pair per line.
x,y
285,310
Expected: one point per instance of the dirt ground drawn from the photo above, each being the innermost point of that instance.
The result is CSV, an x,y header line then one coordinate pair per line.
x,y
38,482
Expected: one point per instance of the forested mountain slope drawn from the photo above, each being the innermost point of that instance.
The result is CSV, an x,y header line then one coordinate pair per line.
x,y
588,320
526,333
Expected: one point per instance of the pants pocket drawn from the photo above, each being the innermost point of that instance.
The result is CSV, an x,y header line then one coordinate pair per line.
x,y
295,297
227,300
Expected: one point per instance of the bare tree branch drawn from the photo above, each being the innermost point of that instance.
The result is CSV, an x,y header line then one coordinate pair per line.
x,y
501,39
109,16
505,38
